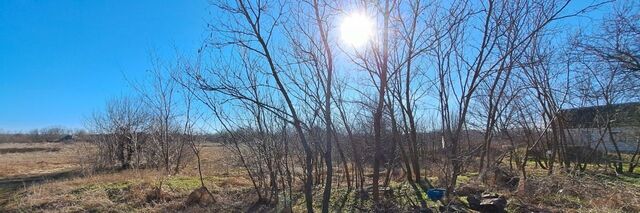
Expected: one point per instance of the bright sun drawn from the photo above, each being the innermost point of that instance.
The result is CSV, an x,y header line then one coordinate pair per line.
x,y
356,29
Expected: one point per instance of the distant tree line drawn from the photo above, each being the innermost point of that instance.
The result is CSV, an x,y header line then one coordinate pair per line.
x,y
50,134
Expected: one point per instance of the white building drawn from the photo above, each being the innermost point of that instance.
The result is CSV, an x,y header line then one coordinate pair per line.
x,y
604,127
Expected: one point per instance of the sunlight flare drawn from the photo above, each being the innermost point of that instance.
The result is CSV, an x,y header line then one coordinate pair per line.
x,y
357,29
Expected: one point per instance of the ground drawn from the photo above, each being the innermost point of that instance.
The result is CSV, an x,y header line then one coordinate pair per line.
x,y
51,177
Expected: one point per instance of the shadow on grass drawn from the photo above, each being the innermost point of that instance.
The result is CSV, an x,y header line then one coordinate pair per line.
x,y
8,186
343,199
32,179
30,149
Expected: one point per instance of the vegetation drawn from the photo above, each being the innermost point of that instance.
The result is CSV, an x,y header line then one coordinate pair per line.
x,y
276,113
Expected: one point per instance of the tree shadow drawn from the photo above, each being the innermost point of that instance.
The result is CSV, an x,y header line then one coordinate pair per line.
x,y
33,179
9,186
343,200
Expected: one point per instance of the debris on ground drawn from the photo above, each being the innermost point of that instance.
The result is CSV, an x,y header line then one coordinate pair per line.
x,y
487,202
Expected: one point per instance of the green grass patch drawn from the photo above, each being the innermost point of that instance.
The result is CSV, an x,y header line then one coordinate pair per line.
x,y
182,183
188,183
625,168
462,179
632,179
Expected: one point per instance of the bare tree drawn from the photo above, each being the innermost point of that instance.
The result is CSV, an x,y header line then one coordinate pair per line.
x,y
120,134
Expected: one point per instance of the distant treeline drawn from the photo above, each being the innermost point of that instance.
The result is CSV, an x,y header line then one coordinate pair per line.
x,y
60,134
50,134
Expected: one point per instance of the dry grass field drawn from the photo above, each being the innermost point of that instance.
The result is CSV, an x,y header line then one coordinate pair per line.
x,y
44,177
22,160
55,177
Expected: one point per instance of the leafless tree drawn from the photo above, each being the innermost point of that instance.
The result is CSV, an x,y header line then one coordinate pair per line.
x,y
120,134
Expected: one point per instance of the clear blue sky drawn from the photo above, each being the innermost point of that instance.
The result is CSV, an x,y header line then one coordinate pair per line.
x,y
61,60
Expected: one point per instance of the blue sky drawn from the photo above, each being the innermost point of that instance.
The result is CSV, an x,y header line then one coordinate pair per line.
x,y
61,60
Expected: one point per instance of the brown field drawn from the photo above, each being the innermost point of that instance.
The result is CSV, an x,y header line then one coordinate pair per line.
x,y
55,177
44,177
24,160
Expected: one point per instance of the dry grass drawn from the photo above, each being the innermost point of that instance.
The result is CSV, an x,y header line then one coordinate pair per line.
x,y
123,191
587,192
141,191
40,158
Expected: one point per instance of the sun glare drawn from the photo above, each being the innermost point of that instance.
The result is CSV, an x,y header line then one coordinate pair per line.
x,y
356,29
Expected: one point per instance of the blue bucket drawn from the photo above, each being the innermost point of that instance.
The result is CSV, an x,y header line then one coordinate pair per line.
x,y
435,194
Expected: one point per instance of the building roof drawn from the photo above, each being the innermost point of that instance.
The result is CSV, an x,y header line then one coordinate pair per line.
x,y
620,115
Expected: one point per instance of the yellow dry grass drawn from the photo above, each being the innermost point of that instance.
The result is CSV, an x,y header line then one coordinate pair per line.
x,y
24,164
117,191
67,188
